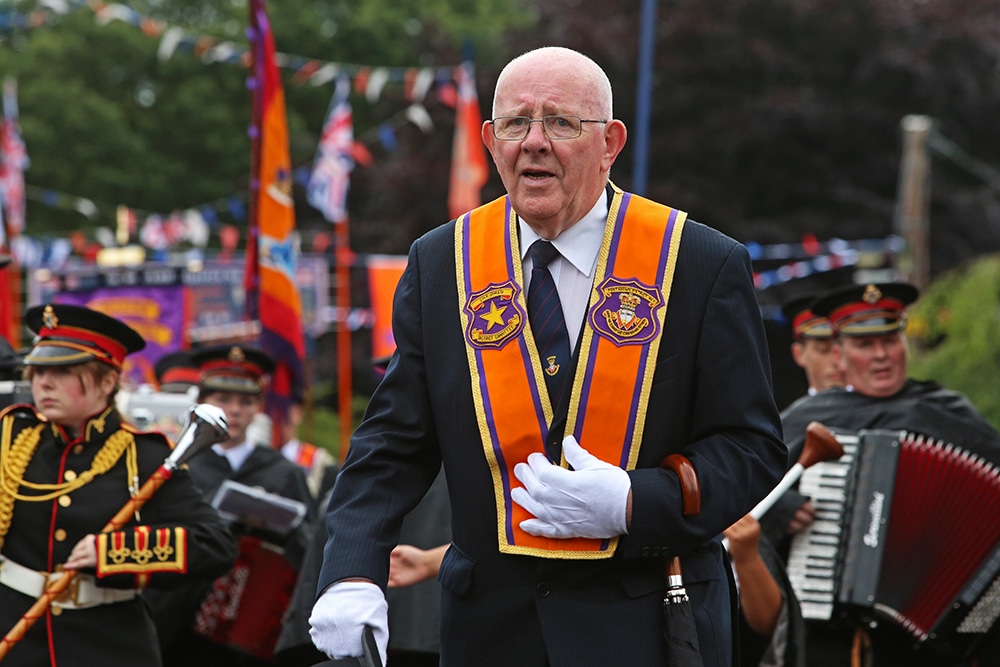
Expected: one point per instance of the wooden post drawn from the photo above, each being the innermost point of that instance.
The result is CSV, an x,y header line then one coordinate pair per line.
x,y
912,212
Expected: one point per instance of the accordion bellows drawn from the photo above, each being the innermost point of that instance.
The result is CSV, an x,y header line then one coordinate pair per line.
x,y
907,530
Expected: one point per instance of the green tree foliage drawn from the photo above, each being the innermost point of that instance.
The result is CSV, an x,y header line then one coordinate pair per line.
x,y
771,118
954,331
105,119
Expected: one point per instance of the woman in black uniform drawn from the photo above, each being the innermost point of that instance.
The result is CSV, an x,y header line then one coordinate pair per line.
x,y
67,465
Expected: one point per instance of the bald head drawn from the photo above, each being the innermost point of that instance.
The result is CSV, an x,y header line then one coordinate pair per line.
x,y
572,65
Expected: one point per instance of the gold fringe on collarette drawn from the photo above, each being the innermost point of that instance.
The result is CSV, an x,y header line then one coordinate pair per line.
x,y
14,459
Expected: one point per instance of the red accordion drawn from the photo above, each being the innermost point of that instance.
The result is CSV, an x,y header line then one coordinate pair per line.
x,y
907,531
245,607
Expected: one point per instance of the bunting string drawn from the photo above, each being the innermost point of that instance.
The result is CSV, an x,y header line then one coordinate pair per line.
x,y
368,80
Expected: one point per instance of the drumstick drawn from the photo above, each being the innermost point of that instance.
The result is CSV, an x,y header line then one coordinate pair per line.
x,y
207,426
821,445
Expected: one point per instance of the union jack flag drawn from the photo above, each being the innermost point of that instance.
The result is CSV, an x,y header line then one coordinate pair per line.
x,y
13,160
331,174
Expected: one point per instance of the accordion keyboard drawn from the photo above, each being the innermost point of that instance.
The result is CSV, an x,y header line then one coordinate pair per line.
x,y
814,553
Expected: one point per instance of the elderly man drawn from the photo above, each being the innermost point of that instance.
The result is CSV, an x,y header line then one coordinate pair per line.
x,y
553,347
869,321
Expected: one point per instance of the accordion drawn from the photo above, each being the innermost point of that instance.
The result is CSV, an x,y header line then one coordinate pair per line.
x,y
907,532
245,607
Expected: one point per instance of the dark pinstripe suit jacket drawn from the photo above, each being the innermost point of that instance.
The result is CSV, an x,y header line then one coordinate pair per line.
x,y
711,400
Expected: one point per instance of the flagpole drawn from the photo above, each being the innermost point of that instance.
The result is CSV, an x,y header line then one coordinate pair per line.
x,y
327,191
344,367
251,277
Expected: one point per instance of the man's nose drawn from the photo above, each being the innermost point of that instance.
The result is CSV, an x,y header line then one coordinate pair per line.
x,y
536,135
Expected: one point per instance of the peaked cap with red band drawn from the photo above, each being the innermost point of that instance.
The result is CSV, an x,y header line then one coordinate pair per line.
x,y
243,370
867,310
804,322
176,372
68,335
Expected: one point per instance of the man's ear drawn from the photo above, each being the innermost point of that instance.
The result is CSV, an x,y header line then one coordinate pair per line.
x,y
488,138
798,353
615,136
838,356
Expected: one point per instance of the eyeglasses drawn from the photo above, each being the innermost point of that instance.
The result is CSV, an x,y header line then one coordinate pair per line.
x,y
515,128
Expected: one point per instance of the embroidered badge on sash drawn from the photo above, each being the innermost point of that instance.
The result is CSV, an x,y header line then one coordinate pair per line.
x,y
624,314
495,318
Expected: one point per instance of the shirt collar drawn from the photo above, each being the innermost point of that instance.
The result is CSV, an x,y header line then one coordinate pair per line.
x,y
580,243
236,455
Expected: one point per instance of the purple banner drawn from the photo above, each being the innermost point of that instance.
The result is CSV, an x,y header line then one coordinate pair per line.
x,y
157,313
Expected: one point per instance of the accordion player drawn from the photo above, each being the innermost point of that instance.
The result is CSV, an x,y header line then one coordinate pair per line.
x,y
906,539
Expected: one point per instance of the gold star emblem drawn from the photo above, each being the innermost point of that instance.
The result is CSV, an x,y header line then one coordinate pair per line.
x,y
495,316
236,355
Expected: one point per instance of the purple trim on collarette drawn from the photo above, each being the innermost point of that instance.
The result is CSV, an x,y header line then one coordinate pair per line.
x,y
497,450
487,406
466,274
536,398
585,390
665,249
664,252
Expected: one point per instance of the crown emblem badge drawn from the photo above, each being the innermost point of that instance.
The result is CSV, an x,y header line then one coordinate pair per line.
x,y
872,295
49,319
236,355
633,322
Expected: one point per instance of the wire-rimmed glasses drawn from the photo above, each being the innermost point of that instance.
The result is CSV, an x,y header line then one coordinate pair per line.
x,y
515,128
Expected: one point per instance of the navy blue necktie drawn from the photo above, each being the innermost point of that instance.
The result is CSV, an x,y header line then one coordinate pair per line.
x,y
546,318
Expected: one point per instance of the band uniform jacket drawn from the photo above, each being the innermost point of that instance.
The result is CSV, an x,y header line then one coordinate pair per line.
x,y
711,400
43,533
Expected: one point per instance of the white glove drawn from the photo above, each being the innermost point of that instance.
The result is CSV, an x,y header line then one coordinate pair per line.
x,y
341,614
588,501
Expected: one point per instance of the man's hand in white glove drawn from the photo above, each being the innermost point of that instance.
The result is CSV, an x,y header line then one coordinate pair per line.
x,y
589,501
340,615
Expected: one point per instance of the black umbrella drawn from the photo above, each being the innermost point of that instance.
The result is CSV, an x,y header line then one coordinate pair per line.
x,y
371,657
679,628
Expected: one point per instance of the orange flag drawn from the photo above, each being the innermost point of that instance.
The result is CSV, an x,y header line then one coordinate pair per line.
x,y
469,169
272,294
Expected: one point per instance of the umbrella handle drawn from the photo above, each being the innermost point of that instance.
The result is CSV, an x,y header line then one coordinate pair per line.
x,y
690,505
690,489
690,498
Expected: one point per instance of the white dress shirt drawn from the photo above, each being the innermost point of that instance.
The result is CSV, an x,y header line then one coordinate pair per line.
x,y
573,270
237,455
